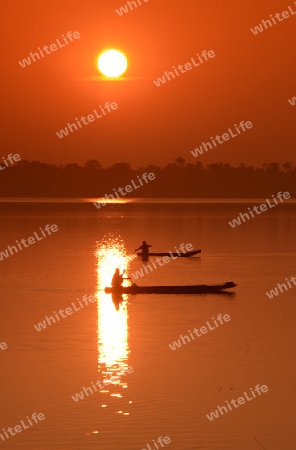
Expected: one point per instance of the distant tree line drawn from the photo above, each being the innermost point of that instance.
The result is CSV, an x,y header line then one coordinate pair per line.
x,y
177,179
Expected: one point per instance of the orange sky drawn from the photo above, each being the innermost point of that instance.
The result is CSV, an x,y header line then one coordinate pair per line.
x,y
251,79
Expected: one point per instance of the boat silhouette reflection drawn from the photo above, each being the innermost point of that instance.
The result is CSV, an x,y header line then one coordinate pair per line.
x,y
117,299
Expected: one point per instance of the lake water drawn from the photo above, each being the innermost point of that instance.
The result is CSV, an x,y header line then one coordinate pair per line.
x,y
168,393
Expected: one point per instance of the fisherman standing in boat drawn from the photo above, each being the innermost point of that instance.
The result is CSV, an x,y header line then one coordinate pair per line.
x,y
145,250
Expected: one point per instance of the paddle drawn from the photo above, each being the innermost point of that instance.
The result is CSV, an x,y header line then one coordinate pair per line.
x,y
127,278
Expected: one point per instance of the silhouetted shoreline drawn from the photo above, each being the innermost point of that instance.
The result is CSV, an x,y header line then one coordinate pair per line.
x,y
176,180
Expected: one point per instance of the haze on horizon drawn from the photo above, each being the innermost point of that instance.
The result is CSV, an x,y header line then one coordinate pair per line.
x,y
251,78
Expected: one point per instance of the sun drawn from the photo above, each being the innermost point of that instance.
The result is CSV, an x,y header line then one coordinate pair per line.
x,y
112,63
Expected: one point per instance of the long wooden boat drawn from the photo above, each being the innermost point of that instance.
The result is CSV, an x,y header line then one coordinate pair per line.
x,y
195,289
172,254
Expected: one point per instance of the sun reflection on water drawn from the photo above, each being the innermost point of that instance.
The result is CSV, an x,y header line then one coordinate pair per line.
x,y
113,349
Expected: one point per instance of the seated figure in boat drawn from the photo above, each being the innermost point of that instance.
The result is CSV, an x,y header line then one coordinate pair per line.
x,y
145,250
117,279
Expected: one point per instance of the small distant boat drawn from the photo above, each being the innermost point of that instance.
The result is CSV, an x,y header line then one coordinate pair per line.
x,y
195,289
171,254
